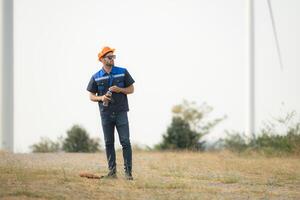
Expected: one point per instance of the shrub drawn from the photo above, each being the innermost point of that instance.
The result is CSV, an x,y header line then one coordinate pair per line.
x,y
279,136
46,145
78,140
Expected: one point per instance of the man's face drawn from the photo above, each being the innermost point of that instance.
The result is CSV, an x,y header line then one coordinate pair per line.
x,y
108,59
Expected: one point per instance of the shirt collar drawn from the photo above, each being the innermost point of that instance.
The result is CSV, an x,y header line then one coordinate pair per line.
x,y
113,71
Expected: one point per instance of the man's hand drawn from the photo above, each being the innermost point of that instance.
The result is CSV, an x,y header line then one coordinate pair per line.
x,y
127,90
115,89
106,98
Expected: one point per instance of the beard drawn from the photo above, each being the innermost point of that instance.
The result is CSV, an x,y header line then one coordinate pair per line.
x,y
110,64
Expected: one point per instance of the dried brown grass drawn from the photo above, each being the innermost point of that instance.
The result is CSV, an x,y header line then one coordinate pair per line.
x,y
157,176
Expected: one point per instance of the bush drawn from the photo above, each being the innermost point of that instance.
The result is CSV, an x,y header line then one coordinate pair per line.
x,y
78,141
179,136
235,142
46,145
280,136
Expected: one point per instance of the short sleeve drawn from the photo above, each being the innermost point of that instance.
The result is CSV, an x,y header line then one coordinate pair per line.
x,y
92,86
128,79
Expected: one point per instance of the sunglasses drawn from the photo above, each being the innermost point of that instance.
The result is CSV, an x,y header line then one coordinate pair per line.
x,y
110,57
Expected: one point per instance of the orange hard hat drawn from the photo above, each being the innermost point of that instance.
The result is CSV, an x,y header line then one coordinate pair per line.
x,y
104,51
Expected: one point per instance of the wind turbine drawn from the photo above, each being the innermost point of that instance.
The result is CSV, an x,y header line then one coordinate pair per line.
x,y
6,75
250,121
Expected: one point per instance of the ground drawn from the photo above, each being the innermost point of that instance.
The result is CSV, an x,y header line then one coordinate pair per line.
x,y
157,176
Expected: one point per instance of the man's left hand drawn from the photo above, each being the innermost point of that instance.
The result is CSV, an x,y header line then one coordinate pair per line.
x,y
115,89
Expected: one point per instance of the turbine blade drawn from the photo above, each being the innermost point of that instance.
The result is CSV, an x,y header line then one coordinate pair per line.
x,y
275,34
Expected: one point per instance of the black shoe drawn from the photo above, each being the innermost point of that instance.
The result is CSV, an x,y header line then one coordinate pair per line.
x,y
110,175
128,176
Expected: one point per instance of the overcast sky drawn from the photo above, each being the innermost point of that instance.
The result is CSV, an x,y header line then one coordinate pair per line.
x,y
174,49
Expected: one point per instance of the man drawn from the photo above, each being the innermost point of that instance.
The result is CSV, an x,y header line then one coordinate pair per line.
x,y
113,109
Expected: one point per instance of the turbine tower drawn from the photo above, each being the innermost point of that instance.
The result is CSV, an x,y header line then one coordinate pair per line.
x,y
250,72
250,81
6,75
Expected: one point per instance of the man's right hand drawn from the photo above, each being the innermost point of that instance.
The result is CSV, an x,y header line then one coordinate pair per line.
x,y
105,98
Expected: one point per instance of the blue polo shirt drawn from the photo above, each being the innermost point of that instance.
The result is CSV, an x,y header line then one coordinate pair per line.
x,y
101,81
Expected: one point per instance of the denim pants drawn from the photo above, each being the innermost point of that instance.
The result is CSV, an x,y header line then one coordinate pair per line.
x,y
120,121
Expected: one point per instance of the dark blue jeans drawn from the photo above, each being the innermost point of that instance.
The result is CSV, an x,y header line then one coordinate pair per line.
x,y
118,120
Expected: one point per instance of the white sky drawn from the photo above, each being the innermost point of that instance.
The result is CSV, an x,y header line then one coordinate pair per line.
x,y
174,49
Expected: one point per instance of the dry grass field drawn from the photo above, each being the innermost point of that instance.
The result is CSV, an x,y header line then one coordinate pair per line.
x,y
157,176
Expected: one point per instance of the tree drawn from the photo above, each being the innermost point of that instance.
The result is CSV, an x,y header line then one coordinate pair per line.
x,y
179,136
195,116
78,140
188,126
